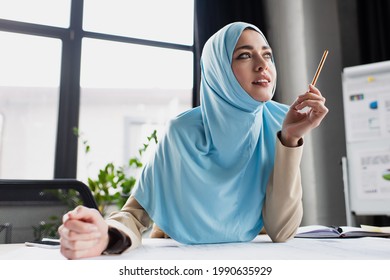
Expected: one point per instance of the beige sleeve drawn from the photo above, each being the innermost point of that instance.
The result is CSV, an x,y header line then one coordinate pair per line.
x,y
132,220
282,210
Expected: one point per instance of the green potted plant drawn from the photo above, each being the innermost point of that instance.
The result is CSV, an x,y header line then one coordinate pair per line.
x,y
113,185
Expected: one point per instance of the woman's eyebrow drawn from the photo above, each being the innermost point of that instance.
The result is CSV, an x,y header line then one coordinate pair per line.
x,y
250,47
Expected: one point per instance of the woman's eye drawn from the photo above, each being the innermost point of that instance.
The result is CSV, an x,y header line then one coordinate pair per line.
x,y
244,55
268,56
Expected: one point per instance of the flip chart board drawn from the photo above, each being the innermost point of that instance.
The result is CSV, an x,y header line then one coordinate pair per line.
x,y
366,98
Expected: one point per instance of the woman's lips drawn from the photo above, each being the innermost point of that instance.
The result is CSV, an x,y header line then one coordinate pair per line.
x,y
261,82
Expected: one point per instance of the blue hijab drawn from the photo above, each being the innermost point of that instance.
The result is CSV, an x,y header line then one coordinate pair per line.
x,y
207,180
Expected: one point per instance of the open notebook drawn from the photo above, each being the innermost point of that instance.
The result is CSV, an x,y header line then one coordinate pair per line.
x,y
319,231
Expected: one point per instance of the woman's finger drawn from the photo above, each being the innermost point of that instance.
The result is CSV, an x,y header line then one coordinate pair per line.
x,y
84,213
315,104
73,254
310,95
78,244
66,233
80,226
314,90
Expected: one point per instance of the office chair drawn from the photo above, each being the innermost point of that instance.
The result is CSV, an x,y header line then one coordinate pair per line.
x,y
32,209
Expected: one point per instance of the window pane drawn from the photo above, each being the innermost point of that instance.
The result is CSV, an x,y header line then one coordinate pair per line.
x,y
120,65
127,92
29,87
46,12
168,21
29,61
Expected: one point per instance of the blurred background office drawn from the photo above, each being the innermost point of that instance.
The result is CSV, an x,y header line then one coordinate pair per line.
x,y
119,69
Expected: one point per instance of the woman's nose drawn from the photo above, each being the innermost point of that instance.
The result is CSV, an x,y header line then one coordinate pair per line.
x,y
261,68
261,64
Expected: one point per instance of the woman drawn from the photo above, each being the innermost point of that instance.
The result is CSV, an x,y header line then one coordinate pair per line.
x,y
224,170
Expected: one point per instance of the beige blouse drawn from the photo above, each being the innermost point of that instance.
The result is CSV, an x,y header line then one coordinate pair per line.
x,y
282,211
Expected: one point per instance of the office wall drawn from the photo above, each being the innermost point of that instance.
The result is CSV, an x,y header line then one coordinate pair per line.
x,y
299,31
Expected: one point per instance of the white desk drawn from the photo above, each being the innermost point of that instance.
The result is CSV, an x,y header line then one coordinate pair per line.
x,y
259,249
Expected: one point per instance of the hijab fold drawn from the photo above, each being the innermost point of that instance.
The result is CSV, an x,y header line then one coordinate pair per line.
x,y
207,180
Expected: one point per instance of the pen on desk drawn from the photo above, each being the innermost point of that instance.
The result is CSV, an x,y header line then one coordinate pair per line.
x,y
339,229
319,68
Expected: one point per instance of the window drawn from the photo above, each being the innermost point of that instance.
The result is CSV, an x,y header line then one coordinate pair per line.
x,y
29,91
136,72
128,89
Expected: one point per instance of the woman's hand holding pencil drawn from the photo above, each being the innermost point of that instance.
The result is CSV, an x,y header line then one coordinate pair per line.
x,y
298,122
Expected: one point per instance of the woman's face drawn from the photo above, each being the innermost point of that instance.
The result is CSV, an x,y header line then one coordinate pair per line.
x,y
253,66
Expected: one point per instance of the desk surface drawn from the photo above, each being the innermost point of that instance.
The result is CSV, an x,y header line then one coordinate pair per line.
x,y
261,248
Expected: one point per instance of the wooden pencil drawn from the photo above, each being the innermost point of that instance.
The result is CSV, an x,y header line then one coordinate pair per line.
x,y
319,68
